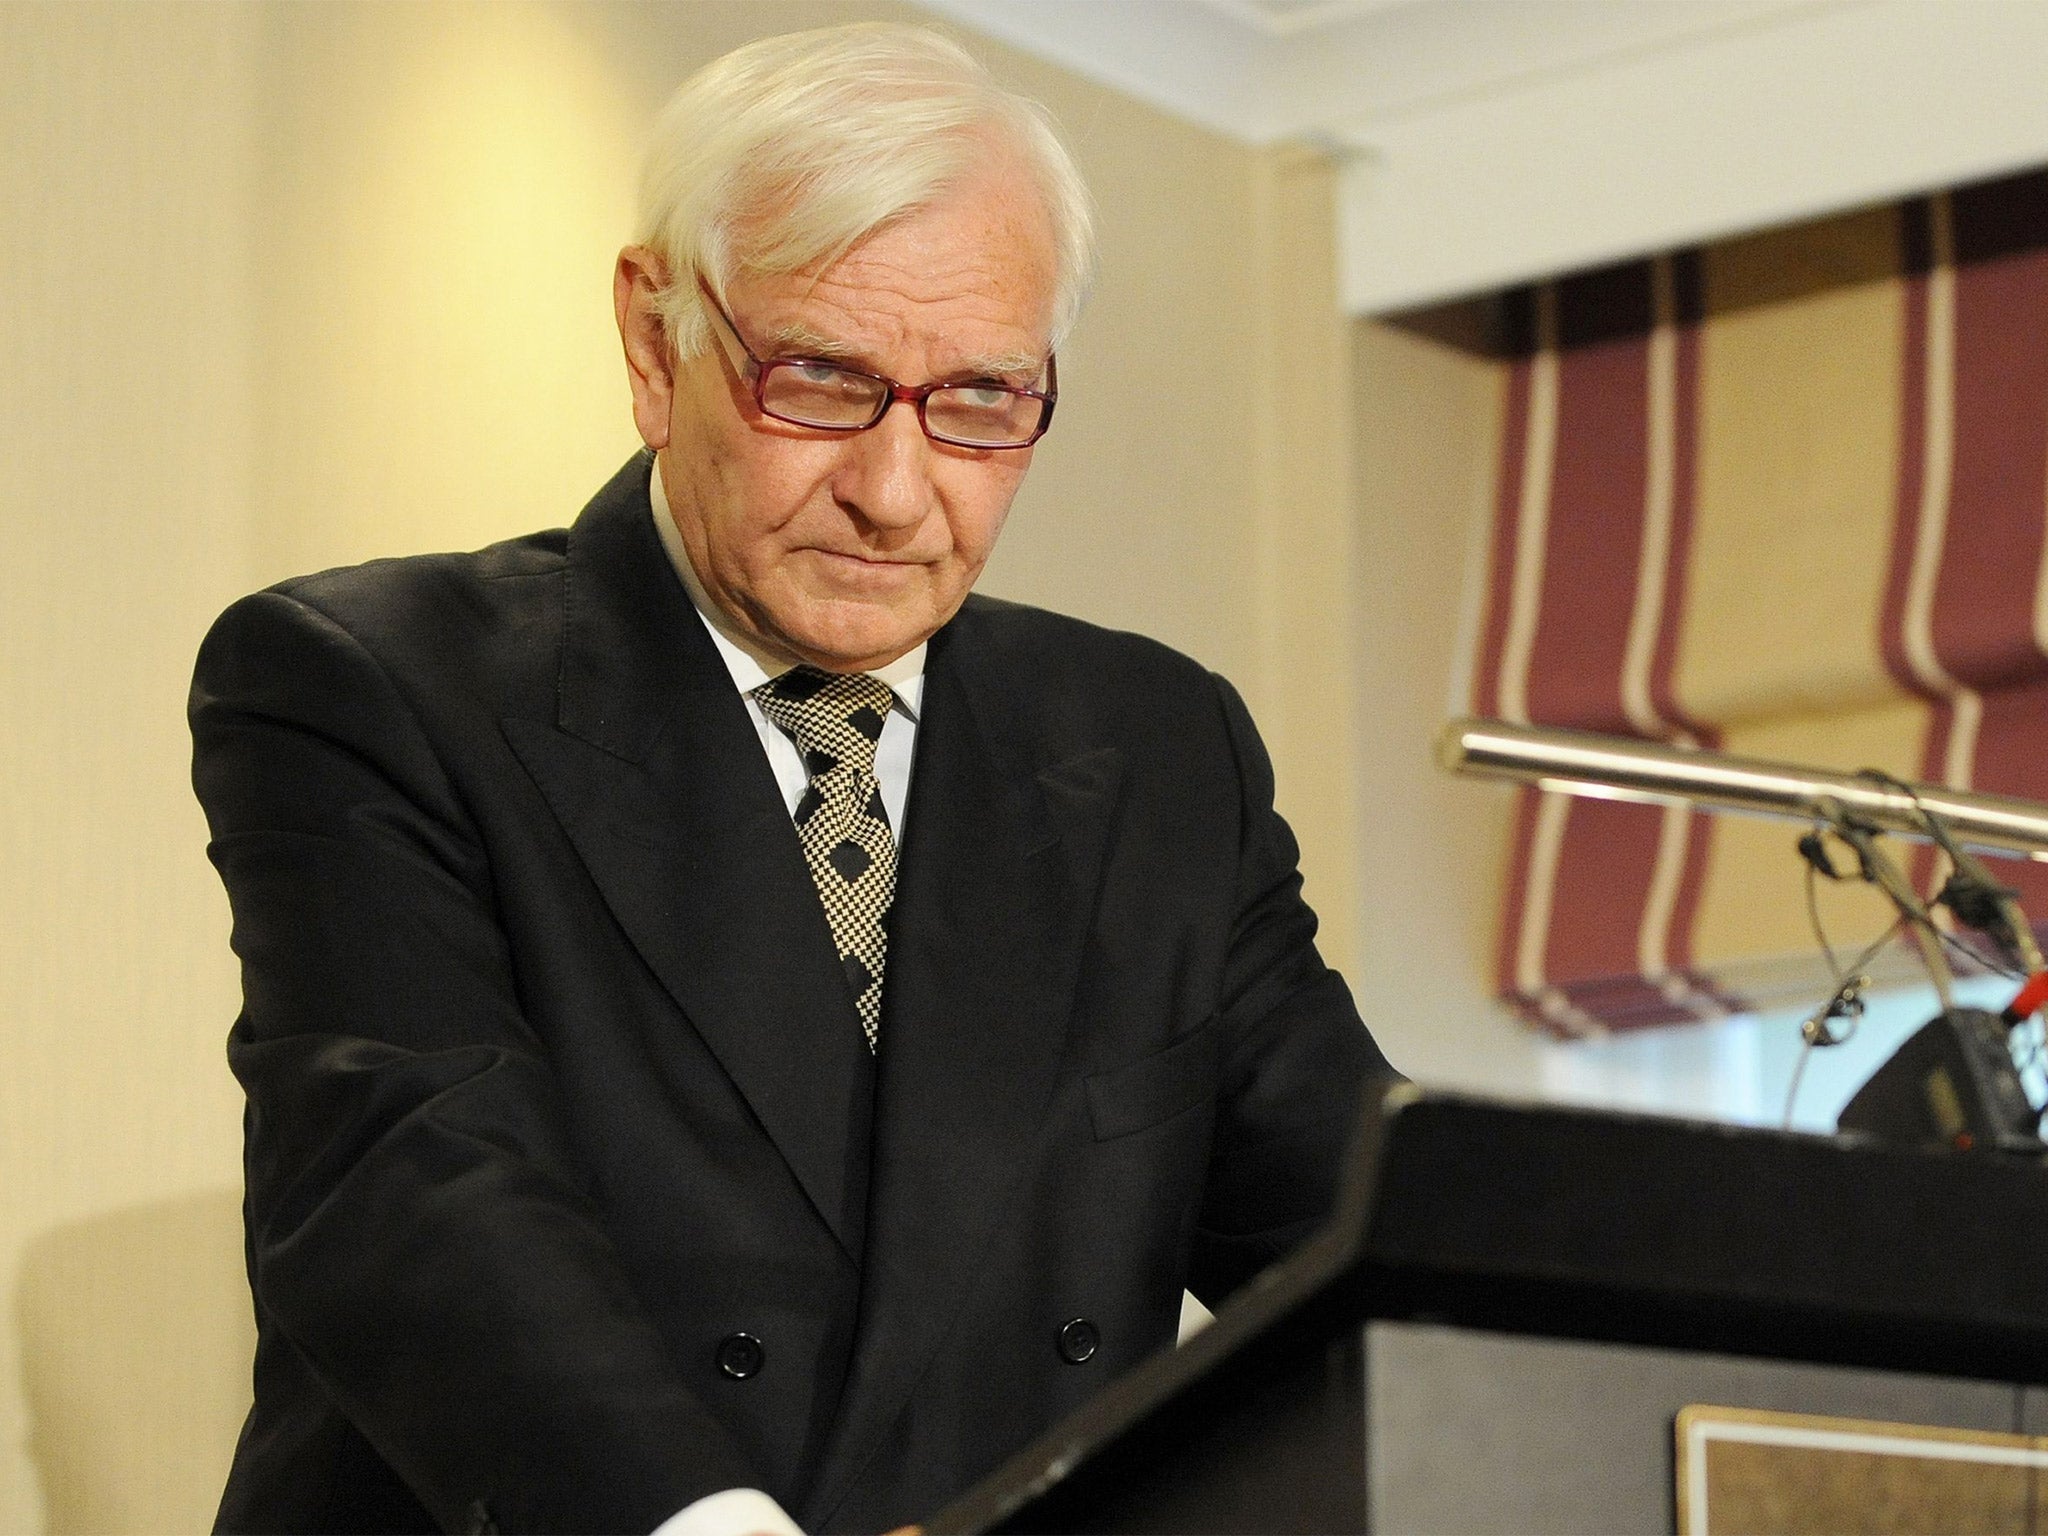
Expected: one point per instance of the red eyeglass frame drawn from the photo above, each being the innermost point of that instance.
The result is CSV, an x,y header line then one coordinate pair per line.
x,y
916,395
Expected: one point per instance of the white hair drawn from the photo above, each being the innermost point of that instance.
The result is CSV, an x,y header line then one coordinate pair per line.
x,y
788,151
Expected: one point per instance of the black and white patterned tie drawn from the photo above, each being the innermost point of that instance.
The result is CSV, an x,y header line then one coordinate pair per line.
x,y
836,720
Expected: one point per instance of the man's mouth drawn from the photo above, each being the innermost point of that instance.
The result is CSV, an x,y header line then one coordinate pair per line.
x,y
867,561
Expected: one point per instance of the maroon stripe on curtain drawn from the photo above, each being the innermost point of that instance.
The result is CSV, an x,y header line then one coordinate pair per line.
x,y
1984,595
1600,475
1596,502
1593,548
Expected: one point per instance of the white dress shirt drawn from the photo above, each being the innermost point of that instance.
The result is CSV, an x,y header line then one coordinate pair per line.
x,y
746,1511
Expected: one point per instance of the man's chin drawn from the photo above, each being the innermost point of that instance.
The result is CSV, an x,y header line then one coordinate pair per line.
x,y
857,647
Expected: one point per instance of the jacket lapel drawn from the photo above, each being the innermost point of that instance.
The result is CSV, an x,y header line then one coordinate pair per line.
x,y
655,772
993,899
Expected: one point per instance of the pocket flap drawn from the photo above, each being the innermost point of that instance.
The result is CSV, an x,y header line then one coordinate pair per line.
x,y
1155,1088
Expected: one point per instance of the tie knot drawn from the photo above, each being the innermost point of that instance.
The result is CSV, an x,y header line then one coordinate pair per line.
x,y
836,717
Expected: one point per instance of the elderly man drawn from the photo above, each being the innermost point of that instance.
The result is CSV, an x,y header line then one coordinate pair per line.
x,y
735,1024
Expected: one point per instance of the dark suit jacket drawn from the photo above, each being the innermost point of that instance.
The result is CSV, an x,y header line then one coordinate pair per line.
x,y
554,1082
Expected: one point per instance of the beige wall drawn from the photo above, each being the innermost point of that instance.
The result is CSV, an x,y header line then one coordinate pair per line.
x,y
126,463
289,285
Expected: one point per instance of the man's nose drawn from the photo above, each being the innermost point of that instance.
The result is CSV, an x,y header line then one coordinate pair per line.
x,y
886,475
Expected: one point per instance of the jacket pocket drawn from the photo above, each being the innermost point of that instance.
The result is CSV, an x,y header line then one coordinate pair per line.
x,y
1155,1088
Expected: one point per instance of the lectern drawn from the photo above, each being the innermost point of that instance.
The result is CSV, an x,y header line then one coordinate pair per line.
x,y
1497,1327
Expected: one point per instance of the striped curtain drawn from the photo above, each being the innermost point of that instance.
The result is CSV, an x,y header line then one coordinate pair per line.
x,y
1783,496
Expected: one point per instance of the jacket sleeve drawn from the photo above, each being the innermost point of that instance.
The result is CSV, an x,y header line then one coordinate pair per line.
x,y
419,1229
1296,1060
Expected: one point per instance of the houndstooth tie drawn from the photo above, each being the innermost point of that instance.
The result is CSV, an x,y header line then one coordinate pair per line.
x,y
836,720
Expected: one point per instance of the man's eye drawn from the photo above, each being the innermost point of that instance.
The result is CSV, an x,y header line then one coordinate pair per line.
x,y
821,375
984,397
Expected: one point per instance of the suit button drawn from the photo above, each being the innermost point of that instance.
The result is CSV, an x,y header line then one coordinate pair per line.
x,y
740,1355
1078,1340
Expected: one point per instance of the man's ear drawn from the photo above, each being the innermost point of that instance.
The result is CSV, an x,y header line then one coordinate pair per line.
x,y
650,362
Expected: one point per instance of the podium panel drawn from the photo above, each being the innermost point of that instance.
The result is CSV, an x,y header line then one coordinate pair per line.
x,y
1500,1323
1489,1433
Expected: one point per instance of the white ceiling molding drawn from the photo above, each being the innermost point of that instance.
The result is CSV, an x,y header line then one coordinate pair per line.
x,y
1284,18
1489,142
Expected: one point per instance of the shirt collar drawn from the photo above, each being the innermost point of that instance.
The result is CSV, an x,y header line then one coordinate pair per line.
x,y
749,664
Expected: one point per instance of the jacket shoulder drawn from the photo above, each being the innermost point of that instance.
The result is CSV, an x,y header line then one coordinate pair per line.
x,y
381,594
1073,654
446,630
442,611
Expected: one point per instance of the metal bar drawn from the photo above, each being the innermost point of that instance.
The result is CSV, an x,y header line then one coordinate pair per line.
x,y
1621,768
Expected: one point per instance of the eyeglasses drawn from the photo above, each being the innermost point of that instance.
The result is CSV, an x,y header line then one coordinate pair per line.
x,y
810,392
